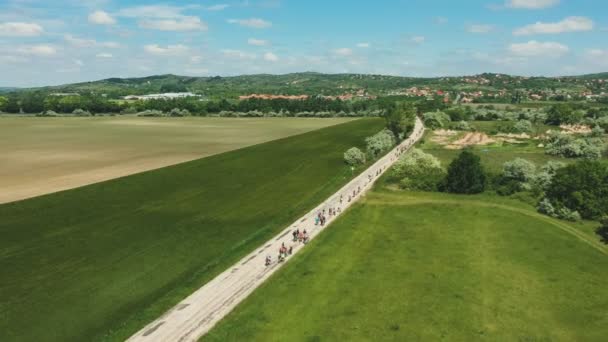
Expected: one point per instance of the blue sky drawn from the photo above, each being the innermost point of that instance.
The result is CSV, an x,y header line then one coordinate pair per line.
x,y
55,42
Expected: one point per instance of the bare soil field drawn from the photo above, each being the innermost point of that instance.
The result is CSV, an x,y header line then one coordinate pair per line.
x,y
44,155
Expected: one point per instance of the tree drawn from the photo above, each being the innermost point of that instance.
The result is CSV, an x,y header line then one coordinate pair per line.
x,y
379,143
523,126
581,187
434,120
3,101
466,174
418,171
400,119
354,157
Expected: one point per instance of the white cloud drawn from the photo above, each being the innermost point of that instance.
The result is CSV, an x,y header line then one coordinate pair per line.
x,y
418,39
218,7
179,24
363,45
151,11
271,57
570,24
18,29
37,50
257,42
196,59
480,28
81,42
104,55
531,4
101,18
538,49
253,23
237,54
343,52
441,20
170,50
598,53
78,62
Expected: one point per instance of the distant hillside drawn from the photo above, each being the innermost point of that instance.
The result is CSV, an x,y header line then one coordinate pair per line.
x,y
311,83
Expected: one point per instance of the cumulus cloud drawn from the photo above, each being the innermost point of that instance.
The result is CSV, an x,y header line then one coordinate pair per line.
x,y
37,50
19,29
253,23
534,48
270,57
101,18
104,55
151,11
479,28
170,50
363,45
178,24
238,54
531,4
257,42
570,24
82,42
218,7
343,52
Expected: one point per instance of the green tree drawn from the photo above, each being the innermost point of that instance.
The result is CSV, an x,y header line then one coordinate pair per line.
x,y
581,187
400,119
466,174
354,157
3,101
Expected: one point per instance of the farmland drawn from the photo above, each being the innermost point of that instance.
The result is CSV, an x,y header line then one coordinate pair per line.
x,y
100,261
43,155
422,266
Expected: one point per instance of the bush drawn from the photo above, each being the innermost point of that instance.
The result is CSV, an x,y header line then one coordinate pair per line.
x,y
417,170
559,144
517,175
542,180
435,120
81,112
176,112
581,187
462,126
546,207
597,132
523,126
380,143
149,112
466,174
354,157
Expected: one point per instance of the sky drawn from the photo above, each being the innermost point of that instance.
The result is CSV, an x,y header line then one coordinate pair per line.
x,y
65,41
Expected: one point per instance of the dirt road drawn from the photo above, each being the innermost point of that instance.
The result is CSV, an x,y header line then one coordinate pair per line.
x,y
197,314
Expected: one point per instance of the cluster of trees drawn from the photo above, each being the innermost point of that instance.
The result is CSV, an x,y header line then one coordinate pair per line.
x,y
568,146
417,171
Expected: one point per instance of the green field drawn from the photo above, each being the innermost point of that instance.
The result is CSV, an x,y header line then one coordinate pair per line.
x,y
101,261
426,267
495,155
44,155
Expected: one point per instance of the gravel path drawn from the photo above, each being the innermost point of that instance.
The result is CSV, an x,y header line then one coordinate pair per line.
x,y
197,314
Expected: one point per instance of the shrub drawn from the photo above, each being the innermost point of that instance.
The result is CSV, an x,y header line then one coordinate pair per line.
x,y
462,126
546,207
466,174
176,112
354,157
517,175
597,131
581,187
150,112
435,120
379,143
542,180
567,146
81,112
417,171
523,126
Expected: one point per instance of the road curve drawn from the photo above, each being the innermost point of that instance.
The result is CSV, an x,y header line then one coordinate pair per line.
x,y
198,313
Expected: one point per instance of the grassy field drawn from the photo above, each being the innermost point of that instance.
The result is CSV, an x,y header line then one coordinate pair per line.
x,y
428,267
43,155
99,262
495,155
